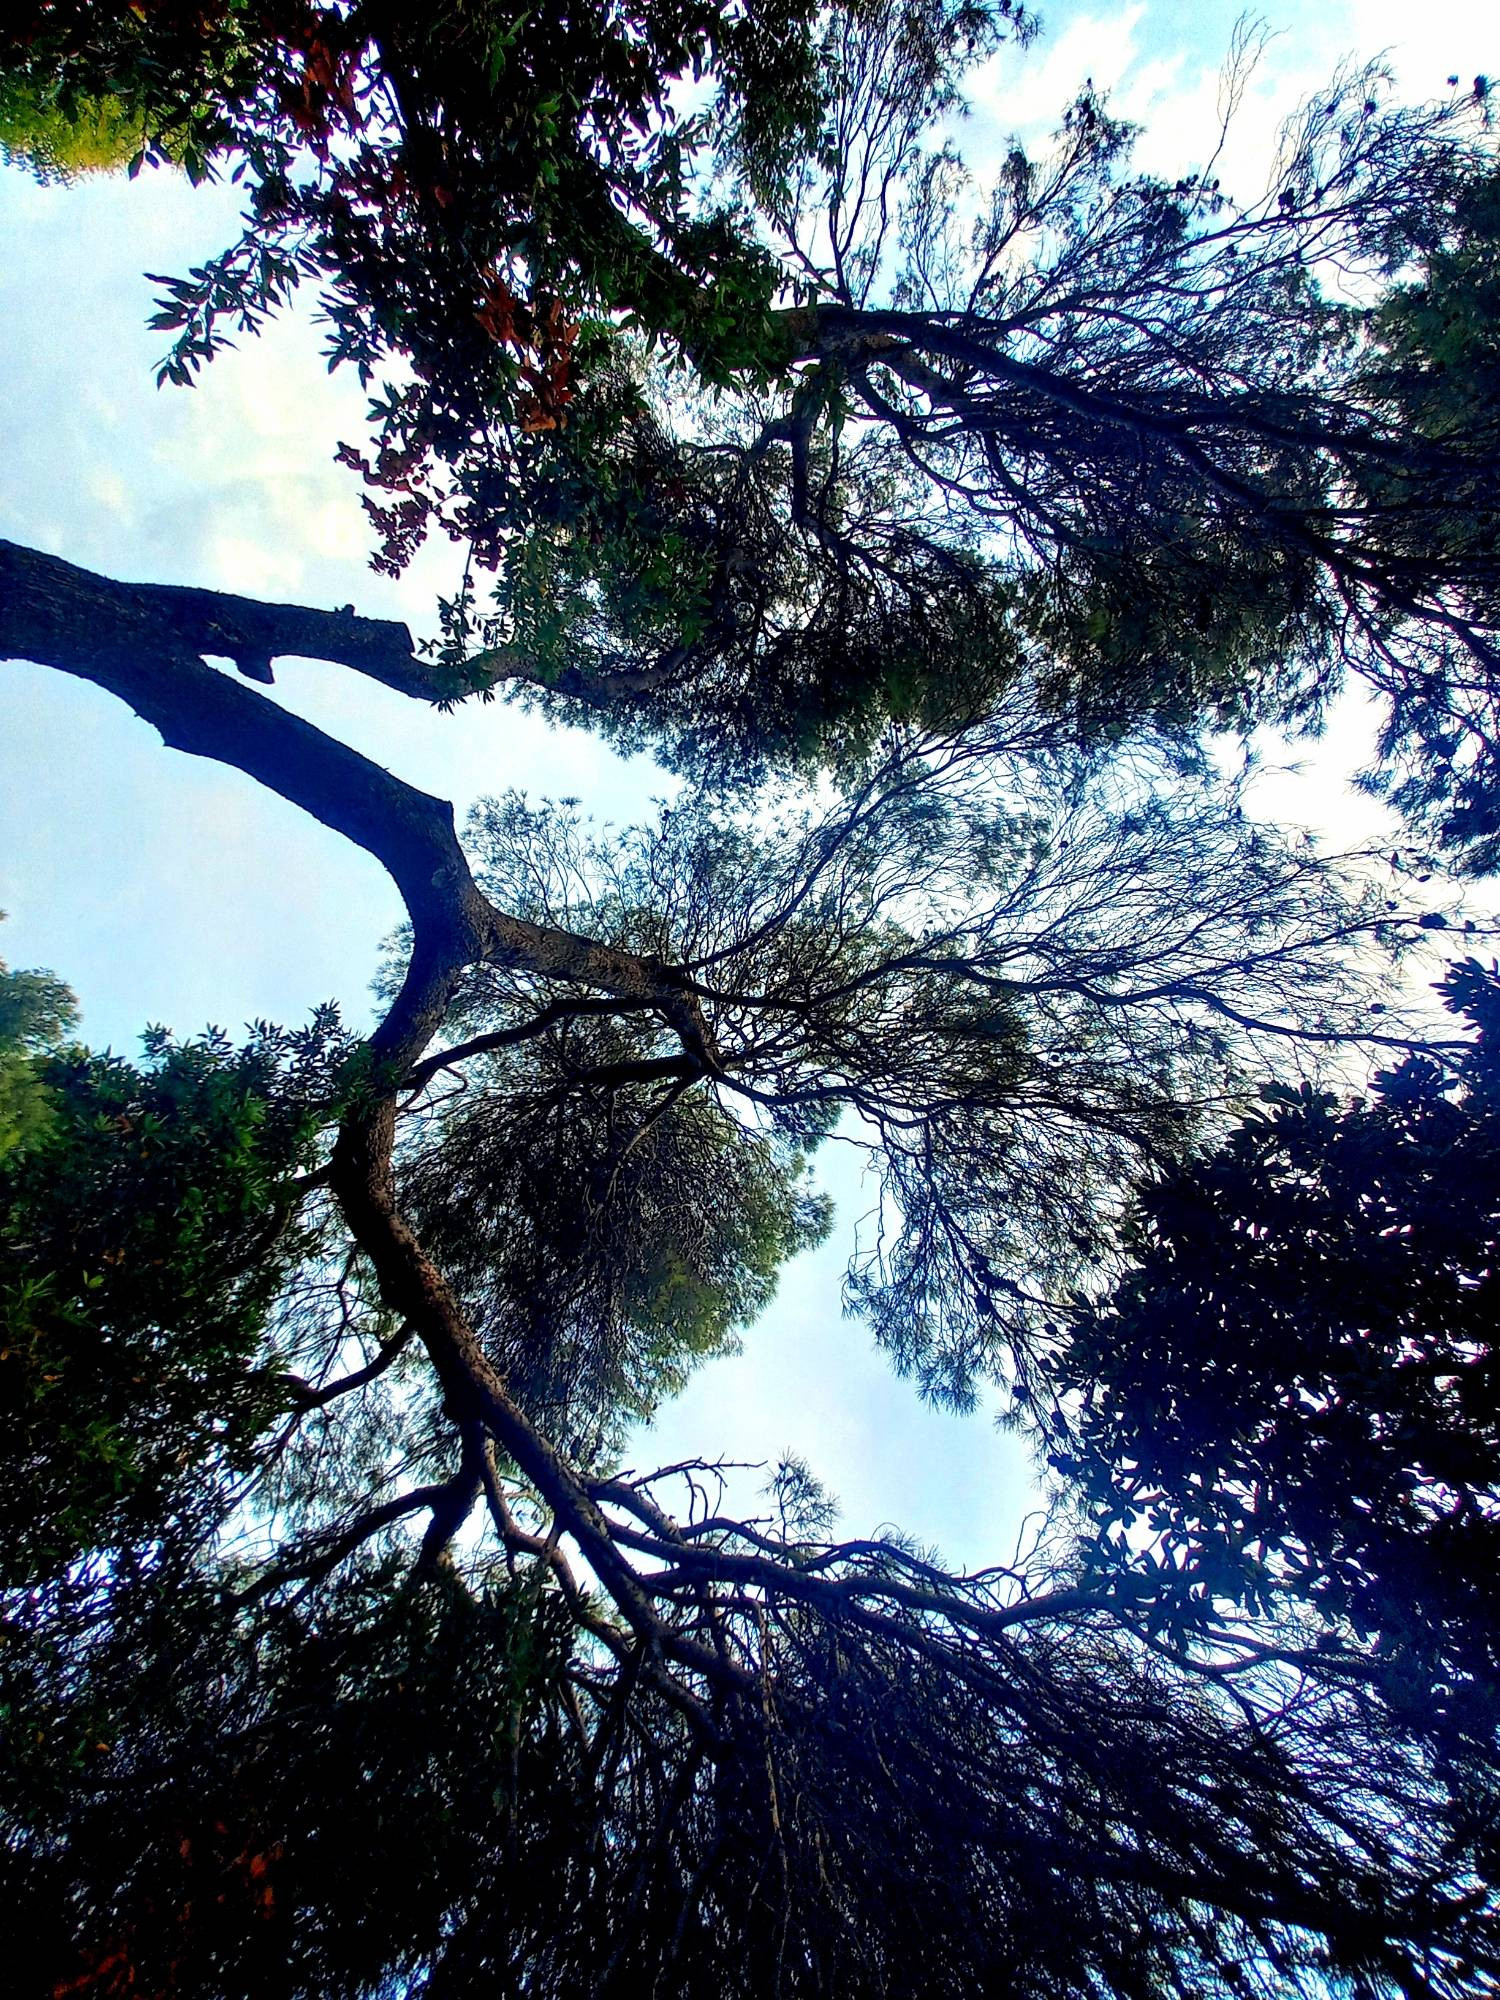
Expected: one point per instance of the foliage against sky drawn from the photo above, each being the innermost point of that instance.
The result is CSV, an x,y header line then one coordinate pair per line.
x,y
1030,970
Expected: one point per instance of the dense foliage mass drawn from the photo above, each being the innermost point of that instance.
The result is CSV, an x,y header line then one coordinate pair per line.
x,y
925,527
1298,1377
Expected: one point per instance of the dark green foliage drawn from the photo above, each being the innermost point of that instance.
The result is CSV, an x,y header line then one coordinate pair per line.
x,y
1295,1388
389,1781
607,1235
664,585
145,1232
1023,1822
304,1805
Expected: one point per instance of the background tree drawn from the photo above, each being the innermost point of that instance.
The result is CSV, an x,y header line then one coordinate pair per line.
x,y
1293,1389
36,1012
608,1235
100,137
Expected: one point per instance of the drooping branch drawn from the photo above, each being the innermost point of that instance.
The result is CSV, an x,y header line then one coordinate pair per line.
x,y
308,1396
505,1038
989,389
321,1554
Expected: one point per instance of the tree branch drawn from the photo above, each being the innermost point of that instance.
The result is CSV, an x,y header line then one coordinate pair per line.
x,y
306,1397
121,639
243,629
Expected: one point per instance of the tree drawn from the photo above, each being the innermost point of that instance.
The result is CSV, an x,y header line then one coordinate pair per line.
x,y
99,138
1115,424
1296,1380
414,161
1031,977
348,1659
149,1224
36,1010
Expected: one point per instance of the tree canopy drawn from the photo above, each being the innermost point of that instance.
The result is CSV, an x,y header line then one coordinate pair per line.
x,y
926,528
1297,1374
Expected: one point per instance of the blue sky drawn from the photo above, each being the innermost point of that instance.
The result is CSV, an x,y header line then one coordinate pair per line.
x,y
168,890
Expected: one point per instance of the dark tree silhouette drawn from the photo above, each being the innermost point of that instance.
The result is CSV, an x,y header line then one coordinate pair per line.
x,y
1294,1389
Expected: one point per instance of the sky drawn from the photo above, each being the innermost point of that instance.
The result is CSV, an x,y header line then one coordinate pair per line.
x,y
168,890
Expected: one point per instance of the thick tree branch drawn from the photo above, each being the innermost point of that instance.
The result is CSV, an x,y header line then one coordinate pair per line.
x,y
116,636
254,634
243,629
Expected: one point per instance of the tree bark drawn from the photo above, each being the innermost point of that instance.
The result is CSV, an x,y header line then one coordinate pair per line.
x,y
144,643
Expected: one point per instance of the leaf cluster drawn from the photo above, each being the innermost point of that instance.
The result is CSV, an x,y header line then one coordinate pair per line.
x,y
146,1233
